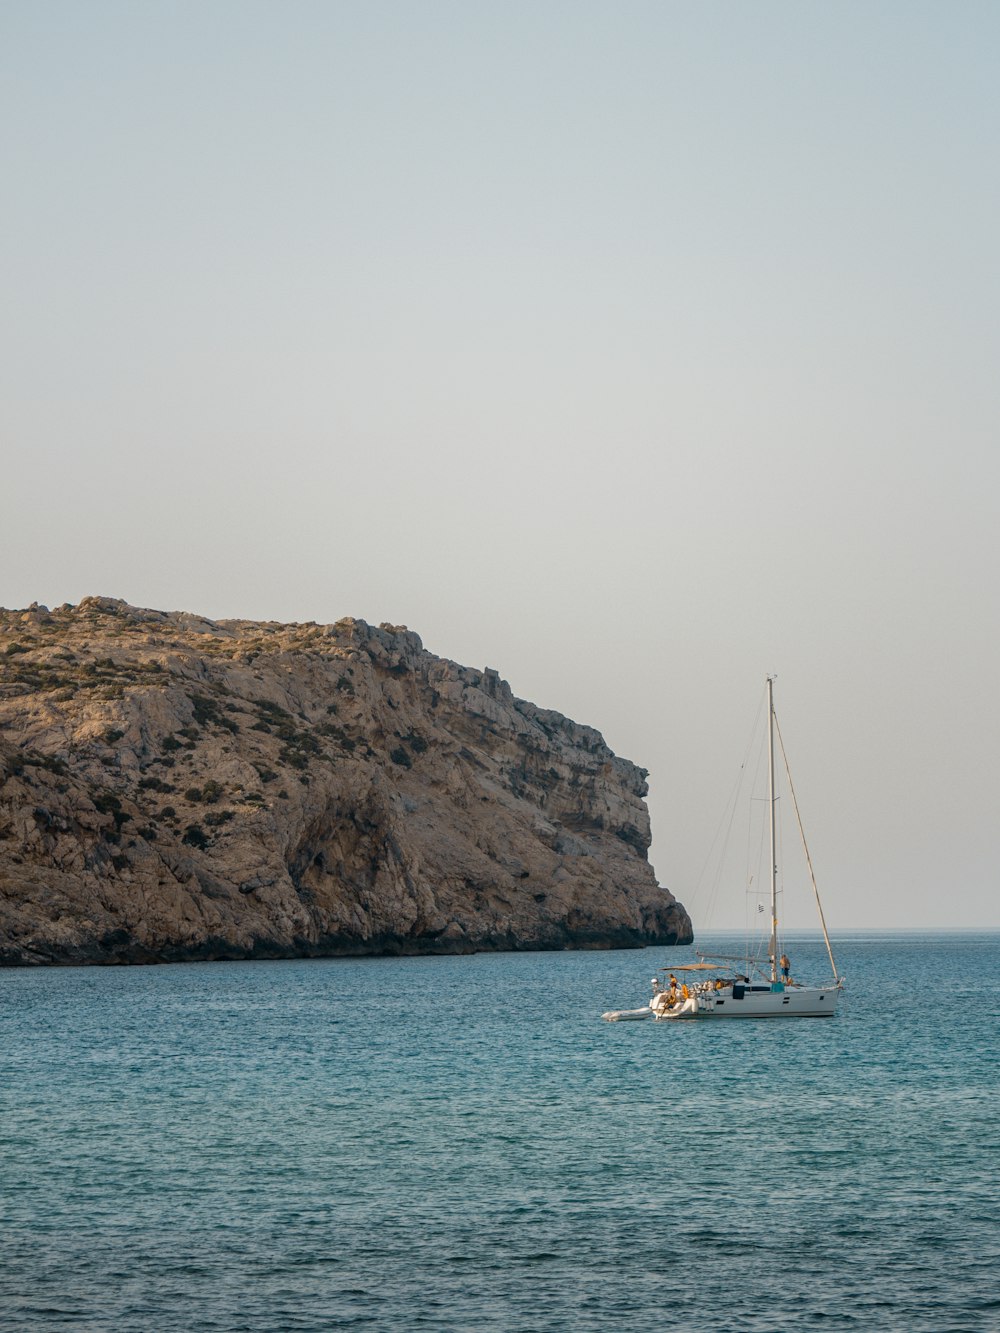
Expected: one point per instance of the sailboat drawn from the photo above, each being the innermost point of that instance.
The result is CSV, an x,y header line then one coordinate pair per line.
x,y
728,986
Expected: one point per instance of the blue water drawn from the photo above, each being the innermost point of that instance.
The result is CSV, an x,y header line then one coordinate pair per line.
x,y
462,1144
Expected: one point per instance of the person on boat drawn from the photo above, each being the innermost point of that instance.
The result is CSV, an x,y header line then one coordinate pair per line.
x,y
785,966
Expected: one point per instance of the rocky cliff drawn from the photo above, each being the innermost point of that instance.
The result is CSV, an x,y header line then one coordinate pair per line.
x,y
176,788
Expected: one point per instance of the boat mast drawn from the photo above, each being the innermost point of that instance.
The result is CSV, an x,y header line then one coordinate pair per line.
x,y
770,802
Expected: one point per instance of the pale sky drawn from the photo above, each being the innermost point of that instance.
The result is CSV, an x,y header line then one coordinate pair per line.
x,y
636,350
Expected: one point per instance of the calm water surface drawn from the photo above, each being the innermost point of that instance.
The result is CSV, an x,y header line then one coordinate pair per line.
x,y
462,1144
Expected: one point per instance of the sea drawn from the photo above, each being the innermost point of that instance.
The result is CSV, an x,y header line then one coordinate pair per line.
x,y
461,1143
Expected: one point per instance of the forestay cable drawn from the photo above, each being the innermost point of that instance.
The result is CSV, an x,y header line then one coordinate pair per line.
x,y
805,847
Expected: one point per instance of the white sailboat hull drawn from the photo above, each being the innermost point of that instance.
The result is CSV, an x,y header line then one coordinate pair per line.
x,y
741,1002
763,1002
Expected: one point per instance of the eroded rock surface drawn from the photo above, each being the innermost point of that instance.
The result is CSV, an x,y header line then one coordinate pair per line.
x,y
175,788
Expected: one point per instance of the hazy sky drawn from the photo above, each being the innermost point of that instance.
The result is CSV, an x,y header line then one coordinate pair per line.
x,y
634,349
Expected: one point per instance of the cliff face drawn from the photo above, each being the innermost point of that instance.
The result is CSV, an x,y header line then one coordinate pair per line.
x,y
175,788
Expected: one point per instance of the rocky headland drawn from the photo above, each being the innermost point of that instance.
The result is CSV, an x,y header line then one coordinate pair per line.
x,y
175,788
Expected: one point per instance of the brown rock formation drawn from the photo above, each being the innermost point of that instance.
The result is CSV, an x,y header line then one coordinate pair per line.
x,y
175,788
